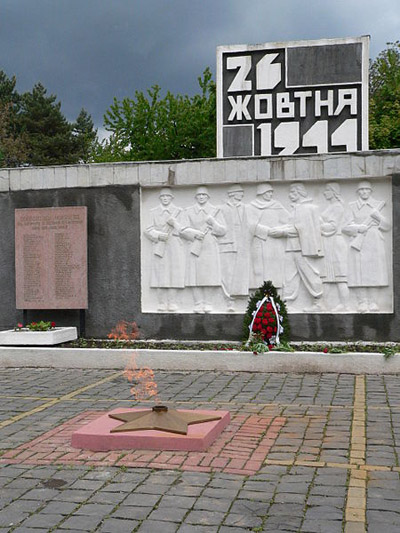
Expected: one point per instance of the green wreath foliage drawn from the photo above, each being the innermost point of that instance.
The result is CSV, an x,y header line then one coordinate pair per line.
x,y
266,289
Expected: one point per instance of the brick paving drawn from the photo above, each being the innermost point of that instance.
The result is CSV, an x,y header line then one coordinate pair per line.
x,y
307,453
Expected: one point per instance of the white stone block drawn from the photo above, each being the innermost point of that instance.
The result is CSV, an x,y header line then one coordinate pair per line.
x,y
357,163
289,170
26,179
60,179
159,173
231,174
126,174
4,181
71,176
373,165
101,175
244,168
304,169
390,165
337,166
83,176
26,337
262,171
48,178
15,179
187,173
144,174
208,172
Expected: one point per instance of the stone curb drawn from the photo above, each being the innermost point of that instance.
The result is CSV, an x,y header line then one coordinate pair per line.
x,y
297,362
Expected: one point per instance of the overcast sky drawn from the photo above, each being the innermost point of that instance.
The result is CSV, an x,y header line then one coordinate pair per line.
x,y
88,51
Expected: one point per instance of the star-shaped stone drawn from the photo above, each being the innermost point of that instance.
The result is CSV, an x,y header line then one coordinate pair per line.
x,y
161,419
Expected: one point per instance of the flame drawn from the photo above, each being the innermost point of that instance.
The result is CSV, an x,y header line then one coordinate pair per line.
x,y
144,384
124,331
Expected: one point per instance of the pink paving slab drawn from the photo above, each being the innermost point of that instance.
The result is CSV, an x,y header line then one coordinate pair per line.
x,y
96,435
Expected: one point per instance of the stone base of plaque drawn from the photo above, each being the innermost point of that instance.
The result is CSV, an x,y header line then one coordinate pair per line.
x,y
37,338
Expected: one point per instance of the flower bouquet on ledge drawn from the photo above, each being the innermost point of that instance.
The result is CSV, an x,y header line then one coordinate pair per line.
x,y
36,326
266,323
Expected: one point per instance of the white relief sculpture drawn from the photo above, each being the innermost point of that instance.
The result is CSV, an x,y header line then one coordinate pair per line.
x,y
234,247
204,223
168,262
303,248
368,269
324,252
267,252
334,265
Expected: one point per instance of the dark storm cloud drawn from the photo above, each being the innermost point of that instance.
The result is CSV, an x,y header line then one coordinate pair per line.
x,y
88,51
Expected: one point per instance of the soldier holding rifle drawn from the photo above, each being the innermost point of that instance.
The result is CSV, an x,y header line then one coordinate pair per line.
x,y
367,256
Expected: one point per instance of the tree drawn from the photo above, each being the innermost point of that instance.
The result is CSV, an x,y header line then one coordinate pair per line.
x,y
49,135
384,110
149,127
85,136
12,142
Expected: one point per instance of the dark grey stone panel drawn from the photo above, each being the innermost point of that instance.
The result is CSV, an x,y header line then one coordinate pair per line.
x,y
320,65
238,140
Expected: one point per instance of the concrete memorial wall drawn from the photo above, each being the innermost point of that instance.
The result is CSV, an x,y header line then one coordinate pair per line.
x,y
178,246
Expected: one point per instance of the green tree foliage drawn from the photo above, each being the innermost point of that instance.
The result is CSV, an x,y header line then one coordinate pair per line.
x,y
12,142
34,131
384,109
85,136
149,127
49,134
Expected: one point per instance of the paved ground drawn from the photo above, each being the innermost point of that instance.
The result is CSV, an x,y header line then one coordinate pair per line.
x,y
325,459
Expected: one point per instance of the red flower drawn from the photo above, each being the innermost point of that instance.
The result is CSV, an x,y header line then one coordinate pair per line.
x,y
270,346
264,331
33,323
269,307
265,321
53,324
257,320
325,350
269,329
19,325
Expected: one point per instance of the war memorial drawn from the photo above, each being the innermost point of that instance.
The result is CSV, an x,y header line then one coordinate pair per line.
x,y
210,441
293,197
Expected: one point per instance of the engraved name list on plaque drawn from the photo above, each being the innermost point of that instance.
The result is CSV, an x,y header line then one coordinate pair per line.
x,y
51,258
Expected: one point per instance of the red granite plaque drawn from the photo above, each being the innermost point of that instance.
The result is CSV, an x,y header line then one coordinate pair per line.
x,y
51,258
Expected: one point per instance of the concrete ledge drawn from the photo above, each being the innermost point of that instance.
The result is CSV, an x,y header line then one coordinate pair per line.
x,y
296,362
26,337
366,164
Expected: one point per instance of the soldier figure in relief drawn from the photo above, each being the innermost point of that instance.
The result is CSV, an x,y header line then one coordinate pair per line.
x,y
168,265
303,248
334,265
368,270
267,252
234,248
203,225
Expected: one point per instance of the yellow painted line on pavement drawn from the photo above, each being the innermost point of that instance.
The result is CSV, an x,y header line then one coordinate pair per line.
x,y
355,518
42,398
50,403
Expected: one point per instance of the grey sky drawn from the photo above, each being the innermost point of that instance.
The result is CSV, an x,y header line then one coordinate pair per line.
x,y
88,51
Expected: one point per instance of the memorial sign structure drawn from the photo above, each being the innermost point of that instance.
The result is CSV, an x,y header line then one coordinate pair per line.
x,y
292,97
51,258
